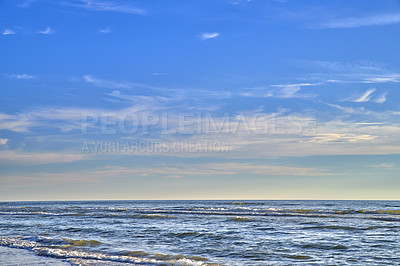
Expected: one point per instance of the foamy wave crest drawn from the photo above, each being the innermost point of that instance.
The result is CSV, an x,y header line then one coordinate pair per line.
x,y
234,209
64,249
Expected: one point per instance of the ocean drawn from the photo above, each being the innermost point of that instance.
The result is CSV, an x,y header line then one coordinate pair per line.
x,y
201,232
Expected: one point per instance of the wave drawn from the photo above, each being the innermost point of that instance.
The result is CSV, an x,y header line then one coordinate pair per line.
x,y
186,235
152,216
234,209
298,257
69,250
393,212
324,246
240,219
339,227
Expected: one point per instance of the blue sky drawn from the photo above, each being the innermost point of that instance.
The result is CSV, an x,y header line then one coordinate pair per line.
x,y
218,99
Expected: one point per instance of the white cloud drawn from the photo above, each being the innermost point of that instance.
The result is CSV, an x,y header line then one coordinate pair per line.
x,y
374,20
364,97
178,94
20,76
381,98
106,30
106,83
349,110
63,118
16,123
250,135
340,138
111,6
209,35
67,119
109,173
349,72
288,135
8,32
331,138
159,74
291,91
287,91
266,170
345,67
279,91
39,158
46,31
3,141
263,92
383,165
383,78
103,83
345,138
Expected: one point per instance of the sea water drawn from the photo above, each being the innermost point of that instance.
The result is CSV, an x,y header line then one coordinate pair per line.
x,y
204,232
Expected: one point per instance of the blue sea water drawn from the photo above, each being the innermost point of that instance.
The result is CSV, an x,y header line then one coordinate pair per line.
x,y
205,232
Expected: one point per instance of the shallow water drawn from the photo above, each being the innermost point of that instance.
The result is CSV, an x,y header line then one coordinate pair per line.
x,y
205,232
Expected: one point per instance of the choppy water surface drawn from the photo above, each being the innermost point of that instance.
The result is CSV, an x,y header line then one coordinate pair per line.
x,y
205,232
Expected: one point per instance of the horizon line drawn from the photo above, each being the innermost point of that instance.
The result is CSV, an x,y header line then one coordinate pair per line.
x,y
92,200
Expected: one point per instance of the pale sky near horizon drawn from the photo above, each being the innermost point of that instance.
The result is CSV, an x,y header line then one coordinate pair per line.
x,y
214,99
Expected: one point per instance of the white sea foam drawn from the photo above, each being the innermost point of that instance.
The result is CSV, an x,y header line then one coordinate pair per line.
x,y
59,248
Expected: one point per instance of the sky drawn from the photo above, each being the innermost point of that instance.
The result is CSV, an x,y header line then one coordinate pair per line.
x,y
213,99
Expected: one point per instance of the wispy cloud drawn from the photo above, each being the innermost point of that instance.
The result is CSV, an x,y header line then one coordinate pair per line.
x,y
249,136
16,123
67,119
268,169
349,72
112,6
279,91
25,31
349,110
340,138
106,30
26,3
109,173
364,97
368,67
18,157
46,31
160,74
106,83
20,76
8,32
394,77
3,141
209,35
292,91
111,84
354,22
178,94
387,166
381,98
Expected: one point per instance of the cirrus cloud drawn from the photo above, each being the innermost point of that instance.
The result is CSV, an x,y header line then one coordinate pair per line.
x,y
209,35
